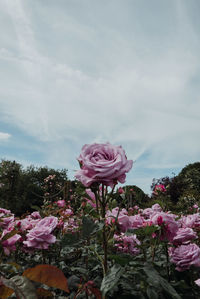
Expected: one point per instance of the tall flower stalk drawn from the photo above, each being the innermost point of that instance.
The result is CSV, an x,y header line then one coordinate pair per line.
x,y
105,165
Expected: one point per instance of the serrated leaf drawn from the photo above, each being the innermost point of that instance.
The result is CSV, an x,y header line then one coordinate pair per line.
x,y
70,239
5,292
151,293
49,275
169,289
90,227
22,287
156,280
120,259
111,279
42,293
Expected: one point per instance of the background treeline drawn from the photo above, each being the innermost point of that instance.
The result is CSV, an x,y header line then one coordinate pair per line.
x,y
21,189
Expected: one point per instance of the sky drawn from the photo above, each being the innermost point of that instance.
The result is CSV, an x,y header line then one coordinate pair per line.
x,y
76,72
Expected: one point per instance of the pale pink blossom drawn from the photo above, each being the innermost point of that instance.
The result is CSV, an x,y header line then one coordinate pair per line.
x,y
103,163
61,203
170,226
136,221
191,221
185,256
9,244
120,190
40,236
159,189
127,244
156,208
36,215
184,236
197,282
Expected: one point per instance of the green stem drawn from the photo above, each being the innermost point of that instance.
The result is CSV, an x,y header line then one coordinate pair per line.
x,y
104,233
167,264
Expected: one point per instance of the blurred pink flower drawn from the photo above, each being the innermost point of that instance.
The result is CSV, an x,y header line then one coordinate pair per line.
x,y
61,203
159,188
197,282
120,190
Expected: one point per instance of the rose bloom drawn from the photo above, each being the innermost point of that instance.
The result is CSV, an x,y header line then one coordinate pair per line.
x,y
9,244
159,188
61,203
184,236
185,256
170,225
197,282
136,221
102,163
40,236
127,244
191,221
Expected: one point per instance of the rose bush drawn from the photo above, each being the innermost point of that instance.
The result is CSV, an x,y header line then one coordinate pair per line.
x,y
103,163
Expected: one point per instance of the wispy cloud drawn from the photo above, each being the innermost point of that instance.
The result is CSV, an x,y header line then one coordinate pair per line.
x,y
4,136
71,78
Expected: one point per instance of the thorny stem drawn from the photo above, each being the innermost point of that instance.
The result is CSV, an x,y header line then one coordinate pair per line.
x,y
167,265
97,203
104,234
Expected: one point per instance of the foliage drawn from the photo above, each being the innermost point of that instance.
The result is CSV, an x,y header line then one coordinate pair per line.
x,y
20,189
97,244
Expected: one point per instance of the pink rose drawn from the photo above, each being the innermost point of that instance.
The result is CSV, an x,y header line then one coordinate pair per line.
x,y
40,236
170,226
156,208
136,221
36,215
197,282
61,203
103,163
191,221
185,256
121,190
127,244
9,244
184,236
159,189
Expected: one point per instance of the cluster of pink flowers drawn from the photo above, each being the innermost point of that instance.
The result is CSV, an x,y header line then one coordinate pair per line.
x,y
33,231
179,232
186,253
127,244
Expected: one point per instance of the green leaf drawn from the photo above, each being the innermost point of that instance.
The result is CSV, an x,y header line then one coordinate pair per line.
x,y
111,279
151,293
121,259
90,227
155,279
169,289
70,239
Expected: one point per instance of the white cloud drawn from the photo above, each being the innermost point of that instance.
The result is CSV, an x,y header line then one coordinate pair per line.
x,y
96,81
4,136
